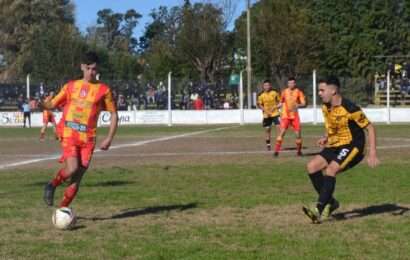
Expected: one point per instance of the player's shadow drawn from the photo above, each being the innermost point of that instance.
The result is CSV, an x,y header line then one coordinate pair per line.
x,y
108,184
292,148
37,183
97,184
311,153
131,213
394,209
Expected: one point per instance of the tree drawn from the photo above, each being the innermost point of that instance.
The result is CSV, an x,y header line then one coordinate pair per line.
x,y
20,31
202,38
358,32
284,41
114,31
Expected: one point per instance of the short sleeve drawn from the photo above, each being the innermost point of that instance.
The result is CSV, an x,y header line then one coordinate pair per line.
x,y
260,100
109,104
360,118
302,98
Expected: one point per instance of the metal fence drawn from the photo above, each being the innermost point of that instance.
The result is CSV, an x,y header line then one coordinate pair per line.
x,y
194,95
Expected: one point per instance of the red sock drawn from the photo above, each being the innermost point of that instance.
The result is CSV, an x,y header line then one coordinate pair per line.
x,y
60,178
299,144
69,195
278,145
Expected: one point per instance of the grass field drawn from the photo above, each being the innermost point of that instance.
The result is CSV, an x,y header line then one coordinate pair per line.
x,y
203,192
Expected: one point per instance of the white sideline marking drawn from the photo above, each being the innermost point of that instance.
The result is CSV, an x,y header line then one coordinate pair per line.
x,y
204,153
114,147
139,143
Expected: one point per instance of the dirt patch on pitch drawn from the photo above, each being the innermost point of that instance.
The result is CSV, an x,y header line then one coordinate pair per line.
x,y
196,150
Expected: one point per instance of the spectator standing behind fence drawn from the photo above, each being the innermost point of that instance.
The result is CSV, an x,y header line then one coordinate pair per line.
x,y
33,104
209,101
20,102
122,104
151,95
26,113
198,104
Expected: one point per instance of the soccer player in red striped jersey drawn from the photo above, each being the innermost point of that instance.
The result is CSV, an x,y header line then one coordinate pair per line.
x,y
292,98
81,101
48,117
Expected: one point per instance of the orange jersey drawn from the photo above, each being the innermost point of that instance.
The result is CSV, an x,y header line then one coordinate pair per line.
x,y
48,115
82,103
290,99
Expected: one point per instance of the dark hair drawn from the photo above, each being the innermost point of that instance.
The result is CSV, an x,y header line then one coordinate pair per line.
x,y
291,78
333,80
267,81
322,81
90,57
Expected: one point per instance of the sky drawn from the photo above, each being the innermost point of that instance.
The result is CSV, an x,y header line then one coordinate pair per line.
x,y
86,10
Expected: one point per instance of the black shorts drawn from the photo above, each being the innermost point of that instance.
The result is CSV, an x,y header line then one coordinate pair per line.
x,y
268,121
347,156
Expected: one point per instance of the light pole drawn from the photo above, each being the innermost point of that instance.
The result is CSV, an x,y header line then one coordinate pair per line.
x,y
249,64
241,112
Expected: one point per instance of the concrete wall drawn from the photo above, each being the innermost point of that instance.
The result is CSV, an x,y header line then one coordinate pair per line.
x,y
160,117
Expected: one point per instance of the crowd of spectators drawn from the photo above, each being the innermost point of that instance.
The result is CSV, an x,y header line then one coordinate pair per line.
x,y
191,97
400,79
129,96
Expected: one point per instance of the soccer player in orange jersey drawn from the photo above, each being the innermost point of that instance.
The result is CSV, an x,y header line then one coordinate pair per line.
x,y
268,102
81,101
48,117
292,98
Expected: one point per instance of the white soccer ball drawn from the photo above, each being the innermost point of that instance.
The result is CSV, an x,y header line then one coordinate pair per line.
x,y
63,218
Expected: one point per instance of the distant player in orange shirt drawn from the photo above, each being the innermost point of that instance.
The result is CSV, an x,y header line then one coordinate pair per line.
x,y
81,101
292,98
48,117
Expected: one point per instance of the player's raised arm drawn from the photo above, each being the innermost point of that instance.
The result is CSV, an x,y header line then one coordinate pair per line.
x,y
59,99
372,159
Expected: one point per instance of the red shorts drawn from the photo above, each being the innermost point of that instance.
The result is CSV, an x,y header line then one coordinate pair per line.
x,y
294,122
48,118
82,151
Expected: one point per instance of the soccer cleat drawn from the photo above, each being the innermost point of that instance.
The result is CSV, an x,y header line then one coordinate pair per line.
x,y
313,214
329,209
49,194
275,154
268,147
42,137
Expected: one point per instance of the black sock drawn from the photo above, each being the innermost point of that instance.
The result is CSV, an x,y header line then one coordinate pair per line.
x,y
268,142
326,193
317,180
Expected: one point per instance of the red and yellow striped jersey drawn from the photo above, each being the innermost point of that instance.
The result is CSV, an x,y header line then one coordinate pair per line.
x,y
47,113
82,103
290,98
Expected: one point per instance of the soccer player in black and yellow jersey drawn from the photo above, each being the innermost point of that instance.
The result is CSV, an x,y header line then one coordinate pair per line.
x,y
343,147
269,101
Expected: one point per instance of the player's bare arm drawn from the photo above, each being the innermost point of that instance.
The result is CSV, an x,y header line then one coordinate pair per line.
x,y
322,141
372,159
106,143
45,105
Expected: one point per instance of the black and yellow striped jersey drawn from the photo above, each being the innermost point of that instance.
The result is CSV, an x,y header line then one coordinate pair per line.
x,y
269,101
344,124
